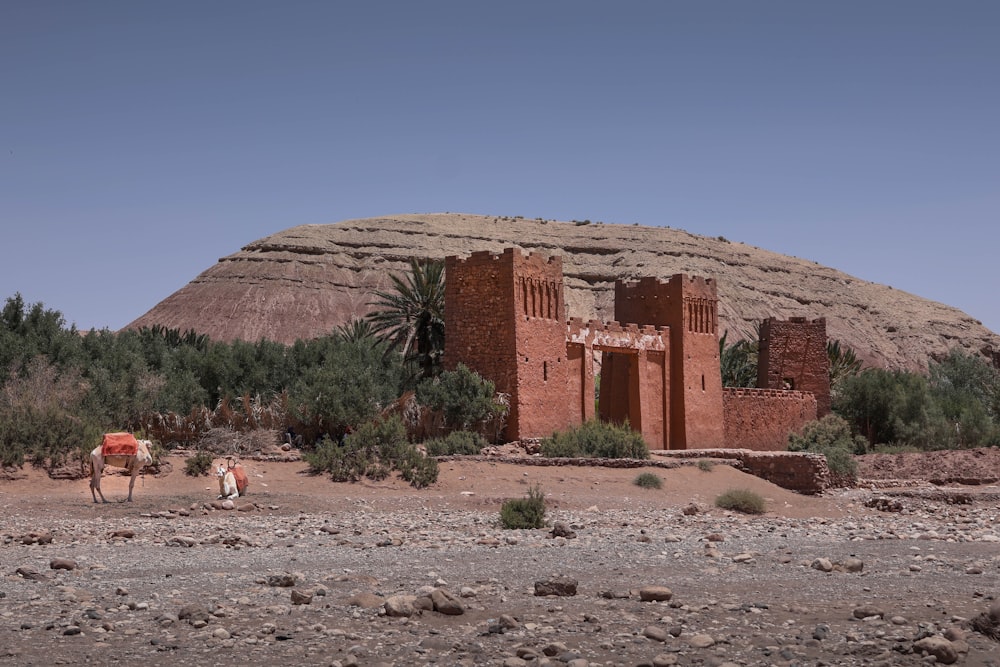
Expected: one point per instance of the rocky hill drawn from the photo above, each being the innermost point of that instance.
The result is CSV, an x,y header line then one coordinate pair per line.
x,y
307,280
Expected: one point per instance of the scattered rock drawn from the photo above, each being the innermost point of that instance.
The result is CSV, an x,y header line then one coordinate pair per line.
x,y
62,564
562,586
655,594
942,649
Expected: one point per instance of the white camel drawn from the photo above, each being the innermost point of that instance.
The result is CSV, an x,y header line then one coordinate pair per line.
x,y
228,488
134,464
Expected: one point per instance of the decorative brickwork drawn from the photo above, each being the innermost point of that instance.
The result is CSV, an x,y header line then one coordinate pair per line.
x,y
635,380
761,419
505,320
793,356
660,372
689,307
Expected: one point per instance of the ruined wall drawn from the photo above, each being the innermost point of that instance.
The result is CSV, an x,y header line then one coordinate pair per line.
x,y
793,356
799,471
506,320
689,307
761,419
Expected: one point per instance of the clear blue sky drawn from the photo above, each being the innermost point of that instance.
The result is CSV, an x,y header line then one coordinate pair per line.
x,y
141,141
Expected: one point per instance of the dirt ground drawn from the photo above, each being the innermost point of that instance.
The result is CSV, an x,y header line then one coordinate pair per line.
x,y
745,590
461,484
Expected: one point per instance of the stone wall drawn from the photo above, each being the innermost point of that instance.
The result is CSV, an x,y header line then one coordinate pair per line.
x,y
797,471
688,305
793,356
506,321
761,419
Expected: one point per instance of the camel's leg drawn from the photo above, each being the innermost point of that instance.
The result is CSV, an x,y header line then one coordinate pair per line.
x,y
131,483
96,468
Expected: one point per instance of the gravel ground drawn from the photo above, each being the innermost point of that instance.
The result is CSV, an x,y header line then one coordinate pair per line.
x,y
349,577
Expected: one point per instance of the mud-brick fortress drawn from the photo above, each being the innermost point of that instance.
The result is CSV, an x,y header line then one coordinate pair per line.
x,y
659,359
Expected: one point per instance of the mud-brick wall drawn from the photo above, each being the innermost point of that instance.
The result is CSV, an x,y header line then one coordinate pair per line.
x,y
479,307
801,472
793,352
506,320
541,403
761,419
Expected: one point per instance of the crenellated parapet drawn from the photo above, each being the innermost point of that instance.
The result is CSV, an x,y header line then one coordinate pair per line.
x,y
754,392
614,335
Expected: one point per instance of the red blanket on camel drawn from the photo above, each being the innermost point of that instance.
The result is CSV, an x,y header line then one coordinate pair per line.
x,y
119,444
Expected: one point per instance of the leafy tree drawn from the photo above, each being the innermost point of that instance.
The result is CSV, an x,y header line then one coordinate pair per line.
x,y
738,362
967,389
893,407
350,383
410,317
40,416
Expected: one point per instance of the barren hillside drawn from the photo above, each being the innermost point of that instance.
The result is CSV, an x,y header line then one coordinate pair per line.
x,y
306,280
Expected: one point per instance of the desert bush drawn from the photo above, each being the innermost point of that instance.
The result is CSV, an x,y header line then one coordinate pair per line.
x,y
596,439
456,443
419,470
893,448
741,500
462,400
705,465
648,480
199,464
831,436
374,450
893,406
526,512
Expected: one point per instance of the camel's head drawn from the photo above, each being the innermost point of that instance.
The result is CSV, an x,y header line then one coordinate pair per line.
x,y
145,452
220,472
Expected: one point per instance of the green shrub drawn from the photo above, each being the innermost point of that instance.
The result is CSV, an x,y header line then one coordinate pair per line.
x,y
374,450
741,500
198,465
893,448
524,512
419,470
596,439
456,443
705,465
463,396
831,436
648,480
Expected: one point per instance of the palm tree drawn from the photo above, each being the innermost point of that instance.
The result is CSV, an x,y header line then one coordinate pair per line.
x,y
410,317
844,363
738,362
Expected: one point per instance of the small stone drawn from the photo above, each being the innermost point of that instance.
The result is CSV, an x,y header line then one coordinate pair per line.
x,y
446,603
942,649
822,564
285,580
62,564
655,633
701,641
867,611
560,585
655,594
853,565
301,597
561,529
400,605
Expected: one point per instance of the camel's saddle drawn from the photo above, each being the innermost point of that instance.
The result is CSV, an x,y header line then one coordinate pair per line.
x,y
119,444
